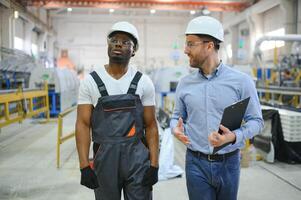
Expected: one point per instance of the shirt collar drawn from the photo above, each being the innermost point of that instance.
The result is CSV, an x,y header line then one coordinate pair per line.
x,y
217,71
219,68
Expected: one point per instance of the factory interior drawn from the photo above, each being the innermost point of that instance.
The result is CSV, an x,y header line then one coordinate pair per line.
x,y
48,47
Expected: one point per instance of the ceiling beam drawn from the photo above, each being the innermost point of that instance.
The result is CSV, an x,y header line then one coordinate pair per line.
x,y
145,4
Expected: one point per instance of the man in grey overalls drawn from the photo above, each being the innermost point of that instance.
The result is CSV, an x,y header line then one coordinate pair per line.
x,y
111,104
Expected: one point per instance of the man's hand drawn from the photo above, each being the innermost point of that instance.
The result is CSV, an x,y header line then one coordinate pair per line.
x,y
179,132
88,178
150,177
216,139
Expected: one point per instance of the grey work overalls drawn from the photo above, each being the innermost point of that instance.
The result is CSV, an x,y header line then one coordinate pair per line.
x,y
121,159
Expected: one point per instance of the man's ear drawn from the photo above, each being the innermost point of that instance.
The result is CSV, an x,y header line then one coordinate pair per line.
x,y
134,52
211,45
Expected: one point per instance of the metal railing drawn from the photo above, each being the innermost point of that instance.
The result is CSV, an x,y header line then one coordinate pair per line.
x,y
19,105
60,138
275,95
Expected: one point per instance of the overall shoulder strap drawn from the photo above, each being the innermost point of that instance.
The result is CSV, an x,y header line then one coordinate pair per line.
x,y
101,86
134,83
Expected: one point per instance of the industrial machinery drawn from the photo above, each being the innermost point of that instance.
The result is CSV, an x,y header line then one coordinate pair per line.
x,y
62,87
279,87
15,68
19,71
280,84
166,80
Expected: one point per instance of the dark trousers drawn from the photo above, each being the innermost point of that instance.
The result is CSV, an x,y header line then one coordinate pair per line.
x,y
120,167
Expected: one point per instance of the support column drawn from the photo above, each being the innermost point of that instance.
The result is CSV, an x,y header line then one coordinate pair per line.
x,y
255,22
50,46
7,28
298,17
27,39
290,12
1,11
41,40
290,22
234,43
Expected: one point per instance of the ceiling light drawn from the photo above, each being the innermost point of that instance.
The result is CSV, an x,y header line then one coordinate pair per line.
x,y
192,12
111,10
16,14
69,9
205,11
152,11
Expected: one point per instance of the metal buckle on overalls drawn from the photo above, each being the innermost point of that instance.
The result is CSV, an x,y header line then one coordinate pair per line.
x,y
209,157
133,86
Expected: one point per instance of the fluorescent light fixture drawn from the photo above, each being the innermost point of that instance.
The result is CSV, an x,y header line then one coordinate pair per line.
x,y
111,10
152,11
16,14
192,12
69,9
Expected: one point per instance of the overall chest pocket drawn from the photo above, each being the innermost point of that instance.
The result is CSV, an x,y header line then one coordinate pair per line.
x,y
120,117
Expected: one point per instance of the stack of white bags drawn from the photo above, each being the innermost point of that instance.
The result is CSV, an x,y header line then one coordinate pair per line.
x,y
167,169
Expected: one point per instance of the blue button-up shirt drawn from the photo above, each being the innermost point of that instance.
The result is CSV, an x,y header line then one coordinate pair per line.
x,y
201,100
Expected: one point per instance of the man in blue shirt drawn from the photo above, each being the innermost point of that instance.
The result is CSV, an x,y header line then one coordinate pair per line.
x,y
201,98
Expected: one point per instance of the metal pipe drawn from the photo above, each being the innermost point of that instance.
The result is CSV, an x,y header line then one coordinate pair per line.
x,y
280,90
16,90
258,52
289,37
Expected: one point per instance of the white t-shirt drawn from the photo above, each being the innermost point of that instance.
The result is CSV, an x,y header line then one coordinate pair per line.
x,y
89,93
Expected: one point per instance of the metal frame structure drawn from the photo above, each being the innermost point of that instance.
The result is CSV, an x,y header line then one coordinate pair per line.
x,y
272,94
275,95
25,104
60,138
144,4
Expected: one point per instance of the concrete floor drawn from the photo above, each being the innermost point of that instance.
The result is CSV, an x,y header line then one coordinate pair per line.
x,y
28,170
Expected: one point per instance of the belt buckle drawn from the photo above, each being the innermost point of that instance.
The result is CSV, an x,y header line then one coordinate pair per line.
x,y
209,157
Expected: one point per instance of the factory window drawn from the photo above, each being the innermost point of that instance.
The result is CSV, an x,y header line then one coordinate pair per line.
x,y
229,50
266,45
34,50
18,43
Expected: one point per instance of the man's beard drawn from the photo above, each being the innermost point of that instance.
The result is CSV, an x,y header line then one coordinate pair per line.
x,y
119,60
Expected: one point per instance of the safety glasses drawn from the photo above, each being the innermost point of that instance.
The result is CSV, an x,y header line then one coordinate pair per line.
x,y
124,43
190,45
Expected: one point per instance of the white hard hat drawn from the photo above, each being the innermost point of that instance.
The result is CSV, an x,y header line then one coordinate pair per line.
x,y
127,28
207,26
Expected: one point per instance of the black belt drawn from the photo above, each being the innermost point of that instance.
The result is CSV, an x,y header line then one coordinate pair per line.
x,y
213,157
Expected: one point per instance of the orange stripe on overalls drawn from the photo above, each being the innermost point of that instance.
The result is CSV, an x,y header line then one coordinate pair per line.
x,y
132,131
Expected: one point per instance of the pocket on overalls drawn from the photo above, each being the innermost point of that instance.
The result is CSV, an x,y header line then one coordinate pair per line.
x,y
140,154
120,117
96,150
144,147
99,157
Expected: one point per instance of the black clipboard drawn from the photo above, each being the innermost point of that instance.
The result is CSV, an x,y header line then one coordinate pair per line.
x,y
232,118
